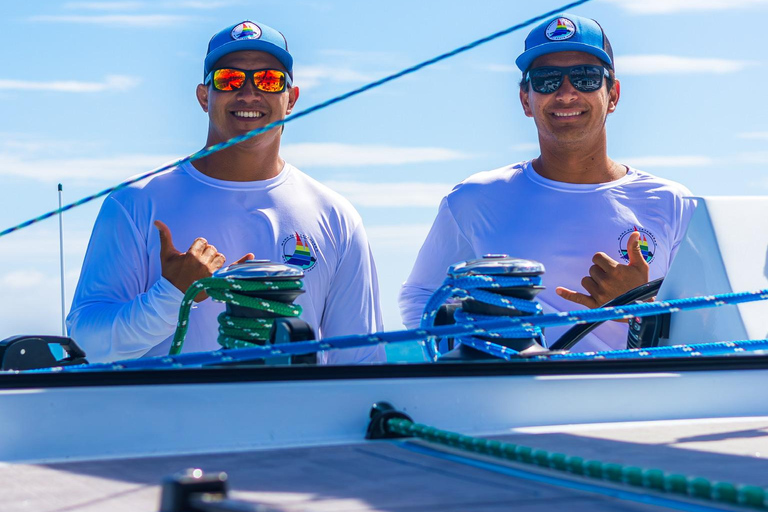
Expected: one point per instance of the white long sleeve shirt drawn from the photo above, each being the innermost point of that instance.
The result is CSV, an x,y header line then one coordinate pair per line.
x,y
515,211
124,308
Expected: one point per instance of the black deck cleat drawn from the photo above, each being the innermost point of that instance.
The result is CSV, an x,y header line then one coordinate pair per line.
x,y
381,413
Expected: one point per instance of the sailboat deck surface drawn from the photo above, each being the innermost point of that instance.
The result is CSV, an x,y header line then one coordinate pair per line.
x,y
409,476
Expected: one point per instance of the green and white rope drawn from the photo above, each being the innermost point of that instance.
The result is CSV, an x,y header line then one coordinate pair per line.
x,y
236,332
647,478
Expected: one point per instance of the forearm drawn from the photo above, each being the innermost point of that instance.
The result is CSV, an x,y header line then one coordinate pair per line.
x,y
111,331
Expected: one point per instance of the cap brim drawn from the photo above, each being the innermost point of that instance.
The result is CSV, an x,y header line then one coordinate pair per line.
x,y
525,60
251,44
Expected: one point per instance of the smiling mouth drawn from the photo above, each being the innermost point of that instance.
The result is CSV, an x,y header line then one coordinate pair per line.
x,y
567,114
247,114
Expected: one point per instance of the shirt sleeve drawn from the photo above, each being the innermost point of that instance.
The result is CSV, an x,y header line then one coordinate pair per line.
x,y
116,313
352,305
444,246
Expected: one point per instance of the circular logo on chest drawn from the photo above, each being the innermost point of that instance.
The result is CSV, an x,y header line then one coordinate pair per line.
x,y
647,244
300,250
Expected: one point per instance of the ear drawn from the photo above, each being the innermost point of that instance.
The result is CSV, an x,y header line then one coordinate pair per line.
x,y
613,96
525,101
202,96
293,96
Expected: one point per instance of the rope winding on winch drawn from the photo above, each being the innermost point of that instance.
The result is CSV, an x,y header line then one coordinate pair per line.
x,y
488,288
255,293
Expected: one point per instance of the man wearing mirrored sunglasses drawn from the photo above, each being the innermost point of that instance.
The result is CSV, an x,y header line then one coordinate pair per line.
x,y
572,208
153,239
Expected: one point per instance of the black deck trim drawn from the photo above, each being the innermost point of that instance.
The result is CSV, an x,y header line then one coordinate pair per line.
x,y
230,374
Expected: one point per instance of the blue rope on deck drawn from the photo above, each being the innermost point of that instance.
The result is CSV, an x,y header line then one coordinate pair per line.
x,y
473,329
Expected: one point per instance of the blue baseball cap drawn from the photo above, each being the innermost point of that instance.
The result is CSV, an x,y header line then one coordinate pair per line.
x,y
563,33
248,35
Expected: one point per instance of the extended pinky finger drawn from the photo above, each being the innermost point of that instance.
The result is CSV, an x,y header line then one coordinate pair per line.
x,y
578,298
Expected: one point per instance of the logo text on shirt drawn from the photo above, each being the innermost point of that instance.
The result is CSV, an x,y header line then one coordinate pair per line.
x,y
647,243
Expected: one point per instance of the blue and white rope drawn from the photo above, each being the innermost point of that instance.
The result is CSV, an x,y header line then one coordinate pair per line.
x,y
258,131
476,287
480,328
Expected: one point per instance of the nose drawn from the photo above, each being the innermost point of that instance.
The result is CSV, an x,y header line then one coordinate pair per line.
x,y
566,93
249,92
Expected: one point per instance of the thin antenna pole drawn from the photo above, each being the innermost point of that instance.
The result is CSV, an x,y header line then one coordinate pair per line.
x,y
61,269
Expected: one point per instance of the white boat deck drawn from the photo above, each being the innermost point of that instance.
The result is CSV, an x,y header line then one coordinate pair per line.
x,y
405,476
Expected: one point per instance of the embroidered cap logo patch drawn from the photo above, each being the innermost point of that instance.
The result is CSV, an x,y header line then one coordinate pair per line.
x,y
246,30
561,28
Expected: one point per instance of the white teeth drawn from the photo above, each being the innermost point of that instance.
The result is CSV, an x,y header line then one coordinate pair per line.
x,y
566,114
248,114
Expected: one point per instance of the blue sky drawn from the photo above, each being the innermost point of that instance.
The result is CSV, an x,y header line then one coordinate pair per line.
x,y
94,92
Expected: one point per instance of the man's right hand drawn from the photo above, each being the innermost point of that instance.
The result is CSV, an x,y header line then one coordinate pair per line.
x,y
184,268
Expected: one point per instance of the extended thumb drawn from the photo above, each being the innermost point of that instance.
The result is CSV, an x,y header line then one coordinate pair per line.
x,y
166,240
634,253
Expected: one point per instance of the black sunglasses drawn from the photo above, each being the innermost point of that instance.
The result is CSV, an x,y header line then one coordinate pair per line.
x,y
584,78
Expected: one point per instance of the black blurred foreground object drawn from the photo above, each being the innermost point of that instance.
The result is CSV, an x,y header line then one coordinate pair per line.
x,y
195,491
30,352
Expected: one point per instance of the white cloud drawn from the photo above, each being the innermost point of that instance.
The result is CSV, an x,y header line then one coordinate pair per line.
x,y
32,304
398,237
657,65
526,146
675,6
643,162
309,77
105,6
133,6
198,4
759,158
18,159
21,279
672,64
753,135
110,83
119,20
312,154
109,169
392,195
41,243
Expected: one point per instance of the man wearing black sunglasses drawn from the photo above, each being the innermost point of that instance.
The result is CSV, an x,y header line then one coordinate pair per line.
x,y
241,202
572,206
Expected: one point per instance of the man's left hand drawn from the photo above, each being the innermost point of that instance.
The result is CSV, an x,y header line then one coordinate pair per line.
x,y
608,278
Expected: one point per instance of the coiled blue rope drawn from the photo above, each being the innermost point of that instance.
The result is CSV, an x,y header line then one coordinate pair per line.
x,y
476,287
258,131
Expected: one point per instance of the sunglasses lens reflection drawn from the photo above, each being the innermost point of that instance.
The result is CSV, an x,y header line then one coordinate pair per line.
x,y
547,80
228,79
587,79
270,80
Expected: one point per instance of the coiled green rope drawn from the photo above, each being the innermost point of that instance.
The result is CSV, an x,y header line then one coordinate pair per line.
x,y
652,479
236,332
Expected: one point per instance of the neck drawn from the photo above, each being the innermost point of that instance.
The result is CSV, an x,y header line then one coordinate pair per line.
x,y
251,160
577,164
